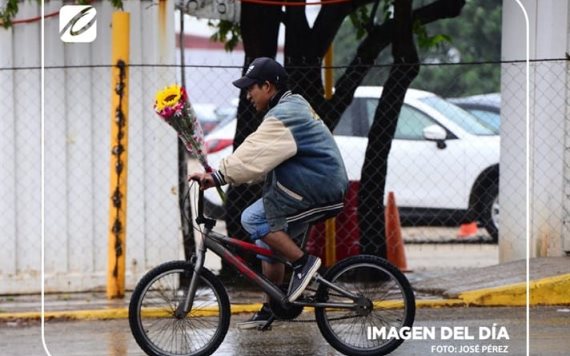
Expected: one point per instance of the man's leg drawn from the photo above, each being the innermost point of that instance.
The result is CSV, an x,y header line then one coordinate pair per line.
x,y
280,242
275,272
304,266
255,223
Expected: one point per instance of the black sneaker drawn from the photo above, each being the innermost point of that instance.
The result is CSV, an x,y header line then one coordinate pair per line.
x,y
302,276
258,319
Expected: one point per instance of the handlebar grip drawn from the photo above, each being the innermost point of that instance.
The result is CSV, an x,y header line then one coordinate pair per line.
x,y
200,218
200,203
200,211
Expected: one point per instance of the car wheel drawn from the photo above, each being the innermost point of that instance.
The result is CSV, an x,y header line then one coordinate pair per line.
x,y
490,211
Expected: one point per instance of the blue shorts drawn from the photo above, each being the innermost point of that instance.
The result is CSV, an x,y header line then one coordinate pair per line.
x,y
254,221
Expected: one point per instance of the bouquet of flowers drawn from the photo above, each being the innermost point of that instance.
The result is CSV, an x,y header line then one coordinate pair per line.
x,y
173,106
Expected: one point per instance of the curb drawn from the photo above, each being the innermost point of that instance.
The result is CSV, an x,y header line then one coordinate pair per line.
x,y
546,291
103,314
123,313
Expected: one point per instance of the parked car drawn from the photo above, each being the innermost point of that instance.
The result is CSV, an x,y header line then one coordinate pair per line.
x,y
486,107
207,116
442,163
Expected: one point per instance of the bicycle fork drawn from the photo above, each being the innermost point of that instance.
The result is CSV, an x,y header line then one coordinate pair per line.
x,y
188,299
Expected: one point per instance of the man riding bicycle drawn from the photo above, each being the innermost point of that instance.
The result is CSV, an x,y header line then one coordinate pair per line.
x,y
305,177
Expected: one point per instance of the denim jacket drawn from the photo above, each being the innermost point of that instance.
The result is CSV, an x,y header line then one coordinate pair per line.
x,y
305,177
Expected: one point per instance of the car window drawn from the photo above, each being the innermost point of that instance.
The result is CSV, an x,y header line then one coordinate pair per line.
x,y
411,122
459,116
344,126
488,118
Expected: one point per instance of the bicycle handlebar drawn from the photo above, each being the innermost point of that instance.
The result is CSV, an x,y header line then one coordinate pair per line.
x,y
200,218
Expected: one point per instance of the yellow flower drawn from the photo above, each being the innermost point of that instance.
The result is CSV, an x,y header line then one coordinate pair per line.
x,y
168,97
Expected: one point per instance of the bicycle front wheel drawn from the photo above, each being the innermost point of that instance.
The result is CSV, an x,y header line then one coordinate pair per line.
x,y
152,312
386,300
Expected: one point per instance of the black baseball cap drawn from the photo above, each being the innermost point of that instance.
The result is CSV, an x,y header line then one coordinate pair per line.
x,y
260,70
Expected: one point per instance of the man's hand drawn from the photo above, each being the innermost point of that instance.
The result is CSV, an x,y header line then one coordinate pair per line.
x,y
205,179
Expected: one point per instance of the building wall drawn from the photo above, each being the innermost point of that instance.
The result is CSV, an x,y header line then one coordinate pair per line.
x,y
77,150
547,153
20,149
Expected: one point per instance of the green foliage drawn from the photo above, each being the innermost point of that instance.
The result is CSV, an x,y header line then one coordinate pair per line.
x,y
8,12
360,19
228,33
474,36
426,41
117,4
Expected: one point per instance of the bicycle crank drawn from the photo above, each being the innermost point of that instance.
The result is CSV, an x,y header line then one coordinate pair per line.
x,y
285,312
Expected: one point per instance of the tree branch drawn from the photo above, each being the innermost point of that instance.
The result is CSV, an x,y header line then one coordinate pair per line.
x,y
327,24
378,39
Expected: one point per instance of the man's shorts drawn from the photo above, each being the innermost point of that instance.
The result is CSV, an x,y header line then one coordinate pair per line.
x,y
254,221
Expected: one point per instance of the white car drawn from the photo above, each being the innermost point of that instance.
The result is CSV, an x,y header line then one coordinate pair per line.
x,y
442,164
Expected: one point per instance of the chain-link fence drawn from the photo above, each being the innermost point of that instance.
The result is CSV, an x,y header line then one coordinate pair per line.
x,y
443,167
446,167
20,183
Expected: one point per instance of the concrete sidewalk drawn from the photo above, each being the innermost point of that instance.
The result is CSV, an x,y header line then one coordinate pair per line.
x,y
505,284
497,285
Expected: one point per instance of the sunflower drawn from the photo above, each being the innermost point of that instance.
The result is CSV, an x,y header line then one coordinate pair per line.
x,y
168,97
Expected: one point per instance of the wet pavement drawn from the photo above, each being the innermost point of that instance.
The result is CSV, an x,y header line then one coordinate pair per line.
x,y
438,271
450,285
549,335
426,262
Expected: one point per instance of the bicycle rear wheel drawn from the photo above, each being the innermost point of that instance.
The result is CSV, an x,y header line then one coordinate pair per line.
x,y
152,312
387,300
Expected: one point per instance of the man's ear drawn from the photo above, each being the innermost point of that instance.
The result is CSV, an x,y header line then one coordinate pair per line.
x,y
271,86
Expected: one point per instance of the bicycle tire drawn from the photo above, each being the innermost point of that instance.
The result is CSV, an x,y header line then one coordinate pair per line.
x,y
152,306
393,303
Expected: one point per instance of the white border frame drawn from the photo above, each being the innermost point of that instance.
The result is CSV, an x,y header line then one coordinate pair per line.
x,y
42,176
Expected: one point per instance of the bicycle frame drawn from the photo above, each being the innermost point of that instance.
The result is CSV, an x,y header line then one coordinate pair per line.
x,y
211,240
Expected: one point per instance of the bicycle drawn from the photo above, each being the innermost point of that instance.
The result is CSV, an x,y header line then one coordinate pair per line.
x,y
182,308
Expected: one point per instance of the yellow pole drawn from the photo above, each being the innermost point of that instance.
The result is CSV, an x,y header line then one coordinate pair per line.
x,y
120,24
329,73
330,224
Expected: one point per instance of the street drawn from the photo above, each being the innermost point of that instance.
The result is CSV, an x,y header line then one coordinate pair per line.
x,y
549,335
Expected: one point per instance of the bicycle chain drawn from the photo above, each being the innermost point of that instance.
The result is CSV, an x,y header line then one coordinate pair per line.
x,y
313,320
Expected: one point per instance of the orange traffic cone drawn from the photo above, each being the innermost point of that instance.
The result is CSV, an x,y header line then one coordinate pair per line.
x,y
467,230
394,242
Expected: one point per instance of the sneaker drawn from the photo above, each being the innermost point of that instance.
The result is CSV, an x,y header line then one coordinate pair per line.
x,y
258,319
302,276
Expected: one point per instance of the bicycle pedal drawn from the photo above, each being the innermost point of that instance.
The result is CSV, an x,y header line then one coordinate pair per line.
x,y
267,325
264,328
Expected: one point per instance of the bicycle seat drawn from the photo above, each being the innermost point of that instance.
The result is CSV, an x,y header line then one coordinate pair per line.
x,y
317,214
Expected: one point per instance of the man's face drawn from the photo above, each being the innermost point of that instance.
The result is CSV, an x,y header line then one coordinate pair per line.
x,y
260,95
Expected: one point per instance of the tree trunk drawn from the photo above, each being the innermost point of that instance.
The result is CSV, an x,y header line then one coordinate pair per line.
x,y
373,179
259,28
304,49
